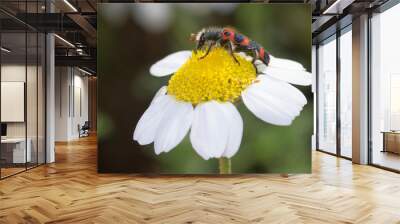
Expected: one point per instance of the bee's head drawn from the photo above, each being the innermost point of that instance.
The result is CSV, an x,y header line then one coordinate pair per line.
x,y
198,37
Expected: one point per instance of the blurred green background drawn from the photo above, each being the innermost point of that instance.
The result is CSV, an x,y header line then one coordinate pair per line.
x,y
131,37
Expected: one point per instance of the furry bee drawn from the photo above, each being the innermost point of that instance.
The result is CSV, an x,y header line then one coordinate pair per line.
x,y
232,40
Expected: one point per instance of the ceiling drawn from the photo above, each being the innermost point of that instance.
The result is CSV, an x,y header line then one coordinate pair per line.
x,y
76,22
331,15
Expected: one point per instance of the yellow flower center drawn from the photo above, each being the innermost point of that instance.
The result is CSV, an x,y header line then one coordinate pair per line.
x,y
214,77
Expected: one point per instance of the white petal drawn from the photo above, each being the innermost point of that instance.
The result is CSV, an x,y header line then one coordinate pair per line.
x,y
235,124
146,128
174,126
285,63
286,70
282,89
210,129
170,64
162,91
303,78
273,101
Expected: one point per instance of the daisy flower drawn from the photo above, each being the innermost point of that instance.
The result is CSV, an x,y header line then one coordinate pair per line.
x,y
201,96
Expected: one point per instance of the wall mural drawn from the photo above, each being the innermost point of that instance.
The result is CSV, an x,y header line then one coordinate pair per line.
x,y
204,88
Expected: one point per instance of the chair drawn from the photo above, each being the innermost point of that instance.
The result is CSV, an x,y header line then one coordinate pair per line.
x,y
84,130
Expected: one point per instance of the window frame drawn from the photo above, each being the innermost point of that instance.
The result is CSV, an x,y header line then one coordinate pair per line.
x,y
339,32
378,10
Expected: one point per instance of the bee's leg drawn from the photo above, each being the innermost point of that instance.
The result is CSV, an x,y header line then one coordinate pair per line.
x,y
230,48
254,53
208,50
255,67
255,56
199,46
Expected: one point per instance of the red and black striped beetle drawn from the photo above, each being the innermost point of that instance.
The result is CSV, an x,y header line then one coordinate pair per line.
x,y
232,40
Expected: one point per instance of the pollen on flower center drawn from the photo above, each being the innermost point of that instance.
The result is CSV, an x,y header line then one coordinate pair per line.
x,y
215,77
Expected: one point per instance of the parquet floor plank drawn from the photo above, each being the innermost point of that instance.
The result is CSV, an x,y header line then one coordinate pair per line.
x,y
71,191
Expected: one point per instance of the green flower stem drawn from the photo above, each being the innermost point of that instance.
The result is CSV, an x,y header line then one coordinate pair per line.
x,y
225,165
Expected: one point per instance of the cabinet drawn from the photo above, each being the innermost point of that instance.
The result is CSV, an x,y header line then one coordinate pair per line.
x,y
391,142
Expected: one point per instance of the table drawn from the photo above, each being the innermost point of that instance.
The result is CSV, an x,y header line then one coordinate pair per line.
x,y
13,150
391,141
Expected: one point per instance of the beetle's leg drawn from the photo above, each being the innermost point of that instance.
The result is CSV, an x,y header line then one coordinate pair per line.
x,y
230,48
220,43
199,45
255,67
208,50
254,53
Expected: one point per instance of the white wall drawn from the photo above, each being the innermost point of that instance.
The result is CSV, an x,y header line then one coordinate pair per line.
x,y
17,73
12,101
71,102
62,81
80,102
33,126
12,73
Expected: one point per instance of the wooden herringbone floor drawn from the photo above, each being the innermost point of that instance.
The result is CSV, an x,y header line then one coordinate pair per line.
x,y
70,191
